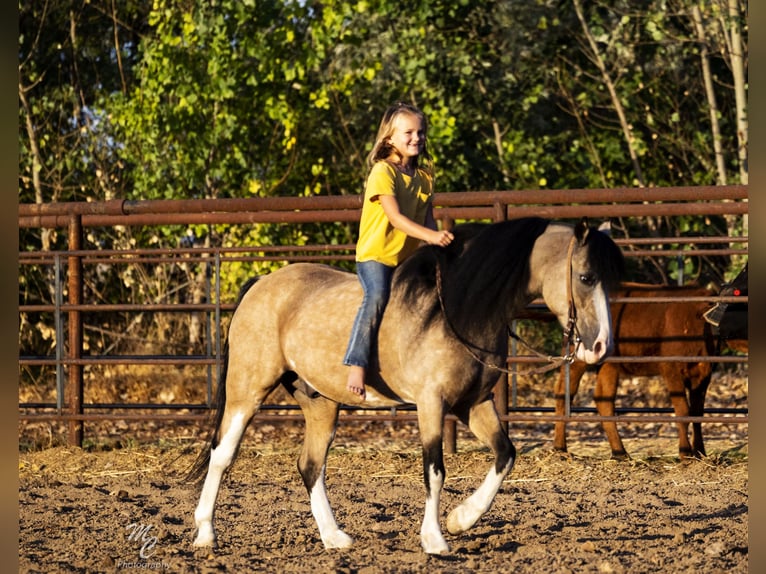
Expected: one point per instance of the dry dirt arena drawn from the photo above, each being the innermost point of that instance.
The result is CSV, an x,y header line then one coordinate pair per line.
x,y
122,506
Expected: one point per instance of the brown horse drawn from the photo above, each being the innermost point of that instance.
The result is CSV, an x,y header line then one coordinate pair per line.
x,y
647,329
448,307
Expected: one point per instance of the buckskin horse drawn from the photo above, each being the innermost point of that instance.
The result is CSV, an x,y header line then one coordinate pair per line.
x,y
443,333
652,329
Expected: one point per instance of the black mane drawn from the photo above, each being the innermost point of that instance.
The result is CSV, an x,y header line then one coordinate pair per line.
x,y
483,273
606,259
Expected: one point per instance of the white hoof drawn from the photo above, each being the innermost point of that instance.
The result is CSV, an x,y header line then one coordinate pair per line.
x,y
433,544
205,536
337,539
460,520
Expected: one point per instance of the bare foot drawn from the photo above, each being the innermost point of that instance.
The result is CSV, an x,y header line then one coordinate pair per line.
x,y
355,382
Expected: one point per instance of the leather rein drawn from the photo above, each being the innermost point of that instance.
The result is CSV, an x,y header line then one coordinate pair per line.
x,y
569,343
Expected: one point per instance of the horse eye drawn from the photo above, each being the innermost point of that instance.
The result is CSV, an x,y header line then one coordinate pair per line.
x,y
588,279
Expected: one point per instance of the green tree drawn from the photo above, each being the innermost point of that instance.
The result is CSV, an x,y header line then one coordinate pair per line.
x,y
228,98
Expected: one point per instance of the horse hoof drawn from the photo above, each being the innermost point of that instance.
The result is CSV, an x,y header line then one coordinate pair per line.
x,y
454,524
338,539
203,543
434,545
205,538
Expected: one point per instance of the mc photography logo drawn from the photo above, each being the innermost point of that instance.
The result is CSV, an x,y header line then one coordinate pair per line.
x,y
140,537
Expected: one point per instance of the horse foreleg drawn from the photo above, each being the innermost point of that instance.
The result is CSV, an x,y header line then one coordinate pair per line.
x,y
221,457
576,371
604,395
431,422
321,418
485,424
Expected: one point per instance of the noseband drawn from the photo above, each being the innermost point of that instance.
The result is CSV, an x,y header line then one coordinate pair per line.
x,y
569,343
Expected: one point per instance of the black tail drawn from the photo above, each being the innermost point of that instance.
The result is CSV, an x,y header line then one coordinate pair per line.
x,y
199,467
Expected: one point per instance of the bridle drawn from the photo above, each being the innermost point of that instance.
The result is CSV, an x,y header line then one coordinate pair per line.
x,y
569,344
570,340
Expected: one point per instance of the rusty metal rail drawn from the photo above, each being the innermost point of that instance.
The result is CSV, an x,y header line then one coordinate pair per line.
x,y
70,359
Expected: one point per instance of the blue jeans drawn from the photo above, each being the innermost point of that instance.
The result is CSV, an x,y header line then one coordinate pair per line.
x,y
376,283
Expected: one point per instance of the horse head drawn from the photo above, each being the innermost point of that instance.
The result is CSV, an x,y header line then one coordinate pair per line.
x,y
574,269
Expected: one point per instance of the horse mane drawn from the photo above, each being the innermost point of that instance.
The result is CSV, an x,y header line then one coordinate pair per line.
x,y
606,259
484,273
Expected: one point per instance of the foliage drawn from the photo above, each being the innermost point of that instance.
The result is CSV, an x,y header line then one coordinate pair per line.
x,y
238,98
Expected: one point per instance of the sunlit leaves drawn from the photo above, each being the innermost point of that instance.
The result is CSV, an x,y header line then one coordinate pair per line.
x,y
233,98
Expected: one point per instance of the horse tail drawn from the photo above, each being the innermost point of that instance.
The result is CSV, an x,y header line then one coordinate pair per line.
x,y
199,467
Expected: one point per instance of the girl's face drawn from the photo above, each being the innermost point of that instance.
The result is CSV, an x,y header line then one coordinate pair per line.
x,y
409,136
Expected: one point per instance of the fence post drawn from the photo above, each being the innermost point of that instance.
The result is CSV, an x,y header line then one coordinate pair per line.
x,y
59,324
449,429
74,389
501,387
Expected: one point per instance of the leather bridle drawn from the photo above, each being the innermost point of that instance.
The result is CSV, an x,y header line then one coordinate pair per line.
x,y
570,340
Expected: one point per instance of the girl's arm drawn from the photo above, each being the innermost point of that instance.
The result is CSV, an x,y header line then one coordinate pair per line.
x,y
405,224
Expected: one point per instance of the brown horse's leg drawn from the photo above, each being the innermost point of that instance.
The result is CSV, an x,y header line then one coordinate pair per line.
x,y
697,391
604,395
431,424
485,424
674,382
576,371
321,419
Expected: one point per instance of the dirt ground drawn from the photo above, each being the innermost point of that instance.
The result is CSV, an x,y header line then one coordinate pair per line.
x,y
120,506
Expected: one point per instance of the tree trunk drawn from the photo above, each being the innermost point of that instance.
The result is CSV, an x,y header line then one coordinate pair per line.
x,y
737,59
598,60
707,78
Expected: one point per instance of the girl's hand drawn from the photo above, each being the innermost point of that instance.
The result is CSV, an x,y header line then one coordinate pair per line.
x,y
403,223
442,238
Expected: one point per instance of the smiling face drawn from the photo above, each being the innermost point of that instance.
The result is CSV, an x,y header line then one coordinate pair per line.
x,y
409,136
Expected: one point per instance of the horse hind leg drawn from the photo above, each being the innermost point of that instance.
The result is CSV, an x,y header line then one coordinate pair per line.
x,y
697,391
221,457
240,400
485,424
321,416
674,382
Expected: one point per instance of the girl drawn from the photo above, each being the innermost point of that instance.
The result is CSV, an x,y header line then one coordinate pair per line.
x,y
396,215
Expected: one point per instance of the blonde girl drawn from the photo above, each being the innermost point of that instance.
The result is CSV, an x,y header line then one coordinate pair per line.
x,y
397,215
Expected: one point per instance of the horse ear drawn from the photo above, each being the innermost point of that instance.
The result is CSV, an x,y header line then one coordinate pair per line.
x,y
606,228
581,230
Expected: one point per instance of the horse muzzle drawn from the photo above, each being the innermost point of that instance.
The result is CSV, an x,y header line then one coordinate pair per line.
x,y
596,353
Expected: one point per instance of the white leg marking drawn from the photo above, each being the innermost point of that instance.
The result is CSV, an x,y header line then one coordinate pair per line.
x,y
220,459
465,516
332,536
431,537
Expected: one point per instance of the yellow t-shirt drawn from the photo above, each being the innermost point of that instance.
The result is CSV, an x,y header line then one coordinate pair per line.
x,y
378,239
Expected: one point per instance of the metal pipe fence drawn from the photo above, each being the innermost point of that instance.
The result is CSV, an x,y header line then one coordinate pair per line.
x,y
71,312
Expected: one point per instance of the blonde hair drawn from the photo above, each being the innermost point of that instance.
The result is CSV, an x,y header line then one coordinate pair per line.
x,y
382,148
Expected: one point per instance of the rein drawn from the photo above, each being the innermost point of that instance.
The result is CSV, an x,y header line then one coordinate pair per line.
x,y
567,355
